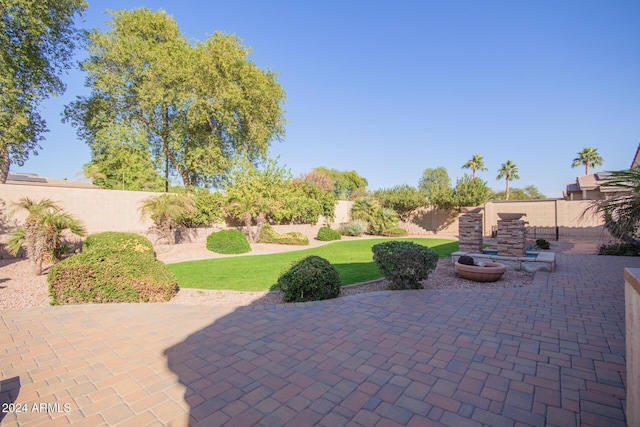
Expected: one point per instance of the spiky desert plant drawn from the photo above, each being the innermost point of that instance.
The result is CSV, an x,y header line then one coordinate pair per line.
x,y
621,212
166,211
41,233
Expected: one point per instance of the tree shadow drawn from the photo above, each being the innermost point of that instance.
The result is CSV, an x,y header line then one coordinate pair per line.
x,y
203,363
434,220
9,390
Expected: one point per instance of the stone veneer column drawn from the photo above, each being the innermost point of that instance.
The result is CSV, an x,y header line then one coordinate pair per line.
x,y
470,233
511,238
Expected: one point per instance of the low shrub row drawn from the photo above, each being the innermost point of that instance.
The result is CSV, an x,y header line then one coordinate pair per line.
x,y
269,235
228,242
113,267
619,249
327,234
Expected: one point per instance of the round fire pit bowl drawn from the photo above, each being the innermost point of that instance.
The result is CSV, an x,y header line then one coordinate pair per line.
x,y
491,271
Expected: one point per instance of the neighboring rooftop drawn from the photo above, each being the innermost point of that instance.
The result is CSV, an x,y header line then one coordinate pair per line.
x,y
589,187
20,178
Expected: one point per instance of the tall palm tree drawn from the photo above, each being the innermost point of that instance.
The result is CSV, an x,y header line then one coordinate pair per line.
x,y
166,211
41,234
508,171
621,212
588,157
476,163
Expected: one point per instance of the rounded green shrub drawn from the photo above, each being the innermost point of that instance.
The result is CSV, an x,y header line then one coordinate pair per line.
x,y
543,244
404,264
619,249
102,275
327,234
117,241
395,232
228,242
269,235
353,228
310,279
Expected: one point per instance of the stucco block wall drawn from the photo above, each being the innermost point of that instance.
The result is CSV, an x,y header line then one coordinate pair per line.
x,y
111,210
565,214
98,209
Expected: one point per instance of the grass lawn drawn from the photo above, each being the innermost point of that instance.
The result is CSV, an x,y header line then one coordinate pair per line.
x,y
353,259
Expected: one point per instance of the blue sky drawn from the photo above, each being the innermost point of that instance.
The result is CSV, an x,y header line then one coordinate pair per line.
x,y
389,89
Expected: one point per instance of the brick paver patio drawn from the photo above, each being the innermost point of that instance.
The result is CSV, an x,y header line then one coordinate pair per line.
x,y
548,354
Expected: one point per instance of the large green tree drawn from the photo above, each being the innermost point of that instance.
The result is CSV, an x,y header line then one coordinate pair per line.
x,y
508,171
125,167
193,106
588,157
476,163
269,194
527,193
403,199
470,191
347,185
436,184
37,39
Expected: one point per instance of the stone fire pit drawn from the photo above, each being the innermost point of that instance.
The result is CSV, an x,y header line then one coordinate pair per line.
x,y
486,272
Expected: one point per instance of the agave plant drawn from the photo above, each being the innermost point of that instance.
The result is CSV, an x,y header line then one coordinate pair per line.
x,y
41,233
621,212
166,212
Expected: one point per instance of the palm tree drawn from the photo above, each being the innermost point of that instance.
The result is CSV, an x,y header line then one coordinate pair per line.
x,y
41,234
621,212
476,163
508,171
588,157
166,212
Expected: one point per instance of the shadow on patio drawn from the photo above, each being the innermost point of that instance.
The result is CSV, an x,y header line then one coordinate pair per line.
x,y
548,354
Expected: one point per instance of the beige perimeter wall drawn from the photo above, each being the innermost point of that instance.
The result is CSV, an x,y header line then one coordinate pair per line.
x,y
110,210
542,215
114,210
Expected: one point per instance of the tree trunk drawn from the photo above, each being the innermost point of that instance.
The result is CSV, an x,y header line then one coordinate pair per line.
x,y
260,222
38,267
4,163
247,224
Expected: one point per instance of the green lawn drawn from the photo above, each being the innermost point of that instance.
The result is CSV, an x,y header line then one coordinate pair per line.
x,y
353,259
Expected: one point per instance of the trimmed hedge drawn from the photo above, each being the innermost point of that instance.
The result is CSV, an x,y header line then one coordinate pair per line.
x,y
395,232
404,264
228,242
107,276
619,249
113,267
310,279
117,241
327,234
269,235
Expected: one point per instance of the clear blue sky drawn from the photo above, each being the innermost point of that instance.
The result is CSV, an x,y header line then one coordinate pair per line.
x,y
391,88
